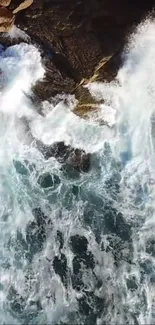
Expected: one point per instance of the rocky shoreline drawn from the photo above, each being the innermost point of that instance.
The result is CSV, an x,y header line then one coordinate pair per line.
x,y
80,40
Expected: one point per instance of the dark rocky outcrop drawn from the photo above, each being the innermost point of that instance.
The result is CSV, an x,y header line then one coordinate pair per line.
x,y
82,40
87,37
6,19
66,155
7,15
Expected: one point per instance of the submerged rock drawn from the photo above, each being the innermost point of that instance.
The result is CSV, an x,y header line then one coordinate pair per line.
x,y
47,180
83,260
116,224
36,233
20,306
25,247
17,302
79,244
60,239
150,247
60,266
78,159
91,307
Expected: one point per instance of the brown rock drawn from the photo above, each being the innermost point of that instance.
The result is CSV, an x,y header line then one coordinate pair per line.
x,y
6,19
84,110
5,3
87,36
25,4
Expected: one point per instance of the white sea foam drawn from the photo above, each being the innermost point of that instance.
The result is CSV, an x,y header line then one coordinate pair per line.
x,y
16,33
124,159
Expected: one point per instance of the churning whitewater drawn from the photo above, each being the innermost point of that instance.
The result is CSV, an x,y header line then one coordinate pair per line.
x,y
76,247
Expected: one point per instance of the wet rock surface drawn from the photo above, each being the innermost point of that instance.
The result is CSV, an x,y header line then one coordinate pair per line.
x,y
6,19
81,42
23,5
7,15
5,3
88,36
66,155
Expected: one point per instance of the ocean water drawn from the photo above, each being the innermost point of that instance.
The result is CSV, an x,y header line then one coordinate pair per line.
x,y
76,247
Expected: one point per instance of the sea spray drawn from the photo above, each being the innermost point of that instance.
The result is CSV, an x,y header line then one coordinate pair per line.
x,y
81,249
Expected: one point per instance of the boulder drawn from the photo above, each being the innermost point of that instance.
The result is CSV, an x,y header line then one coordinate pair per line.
x,y
79,244
6,19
